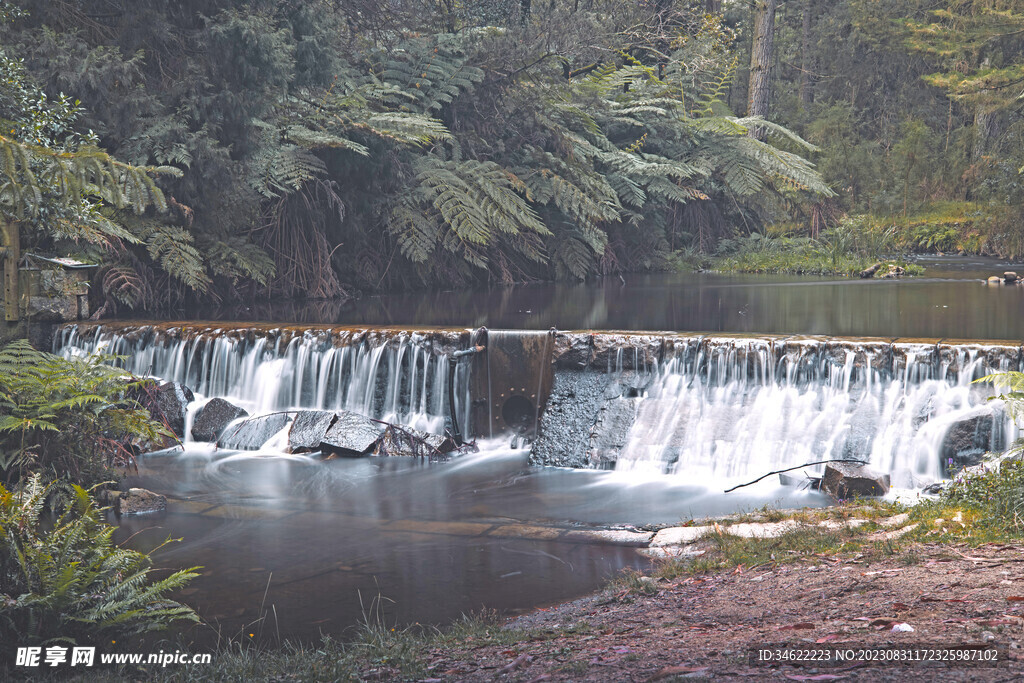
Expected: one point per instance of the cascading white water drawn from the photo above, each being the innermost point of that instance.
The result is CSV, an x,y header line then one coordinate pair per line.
x,y
397,378
732,409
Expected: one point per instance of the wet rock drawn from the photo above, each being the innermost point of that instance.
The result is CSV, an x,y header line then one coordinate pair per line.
x,y
572,350
994,280
252,433
800,480
308,430
139,501
214,417
893,271
935,488
404,441
612,352
107,497
167,403
1010,277
351,435
568,420
610,433
966,443
870,271
848,479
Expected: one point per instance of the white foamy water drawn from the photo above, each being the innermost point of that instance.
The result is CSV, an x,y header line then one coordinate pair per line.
x,y
398,378
712,411
729,410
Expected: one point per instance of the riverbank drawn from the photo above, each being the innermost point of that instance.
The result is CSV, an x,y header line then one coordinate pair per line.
x,y
858,241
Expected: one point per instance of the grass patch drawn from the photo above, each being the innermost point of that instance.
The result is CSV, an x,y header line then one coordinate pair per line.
x,y
376,652
845,250
958,227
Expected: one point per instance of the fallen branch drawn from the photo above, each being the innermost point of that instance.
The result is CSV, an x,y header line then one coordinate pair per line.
x,y
790,469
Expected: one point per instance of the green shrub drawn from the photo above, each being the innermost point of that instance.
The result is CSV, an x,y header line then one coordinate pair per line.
x,y
997,493
843,250
66,581
996,490
67,418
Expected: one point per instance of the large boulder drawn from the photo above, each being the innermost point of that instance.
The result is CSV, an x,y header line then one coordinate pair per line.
x,y
966,443
251,434
309,429
351,435
213,418
139,501
849,479
167,403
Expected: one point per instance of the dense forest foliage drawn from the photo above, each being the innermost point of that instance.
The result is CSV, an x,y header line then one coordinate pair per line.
x,y
324,147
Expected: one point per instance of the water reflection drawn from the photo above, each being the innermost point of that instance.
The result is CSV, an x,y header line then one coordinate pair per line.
x,y
952,301
426,537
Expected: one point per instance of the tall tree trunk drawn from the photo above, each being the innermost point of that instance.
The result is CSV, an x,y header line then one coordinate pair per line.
x,y
712,6
806,94
987,126
12,254
761,62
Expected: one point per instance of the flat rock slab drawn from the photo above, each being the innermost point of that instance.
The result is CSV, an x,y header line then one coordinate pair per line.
x,y
213,417
540,533
251,434
140,501
351,434
610,536
679,535
445,528
685,535
671,552
309,429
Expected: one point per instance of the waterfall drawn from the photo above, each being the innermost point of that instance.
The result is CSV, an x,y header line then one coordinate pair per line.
x,y
703,408
720,409
395,377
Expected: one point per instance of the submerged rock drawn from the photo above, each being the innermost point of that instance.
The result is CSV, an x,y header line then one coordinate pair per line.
x,y
351,434
309,429
848,479
800,480
138,501
214,417
252,433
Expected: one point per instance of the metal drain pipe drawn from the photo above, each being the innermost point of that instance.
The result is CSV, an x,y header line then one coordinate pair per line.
x,y
452,365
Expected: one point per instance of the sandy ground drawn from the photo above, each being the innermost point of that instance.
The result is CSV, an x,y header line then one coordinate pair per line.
x,y
713,626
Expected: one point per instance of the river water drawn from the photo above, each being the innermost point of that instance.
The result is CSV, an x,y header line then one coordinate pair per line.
x,y
295,546
950,301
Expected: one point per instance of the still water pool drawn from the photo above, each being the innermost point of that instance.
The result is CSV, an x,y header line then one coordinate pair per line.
x,y
950,301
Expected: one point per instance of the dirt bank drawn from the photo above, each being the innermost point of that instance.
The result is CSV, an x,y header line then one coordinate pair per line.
x,y
707,626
